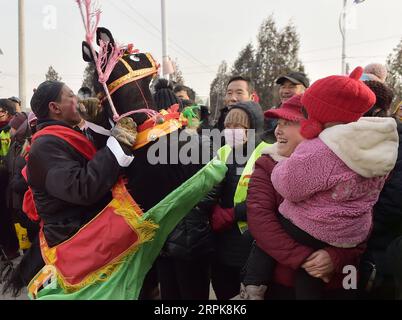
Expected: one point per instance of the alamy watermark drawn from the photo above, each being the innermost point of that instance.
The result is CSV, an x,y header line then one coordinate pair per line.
x,y
349,282
188,147
49,21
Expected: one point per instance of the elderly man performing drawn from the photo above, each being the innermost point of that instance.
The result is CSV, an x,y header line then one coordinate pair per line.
x,y
70,181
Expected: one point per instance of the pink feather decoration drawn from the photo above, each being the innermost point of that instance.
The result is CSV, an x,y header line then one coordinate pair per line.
x,y
105,61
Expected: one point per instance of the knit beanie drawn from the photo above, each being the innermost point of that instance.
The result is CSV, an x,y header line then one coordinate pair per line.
x,y
377,70
237,116
383,93
335,99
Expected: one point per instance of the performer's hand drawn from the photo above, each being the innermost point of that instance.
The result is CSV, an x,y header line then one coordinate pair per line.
x,y
90,108
125,131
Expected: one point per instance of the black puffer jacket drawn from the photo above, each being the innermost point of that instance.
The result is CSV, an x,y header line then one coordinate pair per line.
x,y
192,237
14,160
232,247
68,189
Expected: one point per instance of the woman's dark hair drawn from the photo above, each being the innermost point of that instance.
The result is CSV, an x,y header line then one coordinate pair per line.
x,y
48,91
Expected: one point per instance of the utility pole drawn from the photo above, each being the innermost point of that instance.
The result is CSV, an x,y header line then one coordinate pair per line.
x,y
165,56
21,53
342,28
343,32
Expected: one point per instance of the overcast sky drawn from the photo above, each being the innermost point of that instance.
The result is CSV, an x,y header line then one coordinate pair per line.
x,y
202,33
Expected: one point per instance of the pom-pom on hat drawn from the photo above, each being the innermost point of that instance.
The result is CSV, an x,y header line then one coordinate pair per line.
x,y
335,99
376,71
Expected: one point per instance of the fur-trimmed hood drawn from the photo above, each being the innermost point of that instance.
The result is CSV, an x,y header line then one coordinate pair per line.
x,y
272,150
368,146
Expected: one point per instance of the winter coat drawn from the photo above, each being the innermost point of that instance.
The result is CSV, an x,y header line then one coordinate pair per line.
x,y
18,185
68,189
5,140
232,247
338,177
262,209
14,200
192,237
387,215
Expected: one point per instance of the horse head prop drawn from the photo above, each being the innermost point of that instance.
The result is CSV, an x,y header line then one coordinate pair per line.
x,y
129,80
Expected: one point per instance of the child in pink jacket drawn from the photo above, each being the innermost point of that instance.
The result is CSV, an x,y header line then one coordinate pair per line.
x,y
332,180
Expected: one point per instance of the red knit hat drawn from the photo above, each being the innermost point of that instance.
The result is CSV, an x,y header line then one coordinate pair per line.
x,y
335,99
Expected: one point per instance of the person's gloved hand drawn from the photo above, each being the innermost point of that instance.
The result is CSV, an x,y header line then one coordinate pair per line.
x,y
90,108
125,131
222,219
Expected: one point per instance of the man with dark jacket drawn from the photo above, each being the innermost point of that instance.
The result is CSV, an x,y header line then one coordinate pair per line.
x,y
71,182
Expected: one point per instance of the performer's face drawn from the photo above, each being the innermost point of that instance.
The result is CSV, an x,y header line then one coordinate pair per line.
x,y
67,108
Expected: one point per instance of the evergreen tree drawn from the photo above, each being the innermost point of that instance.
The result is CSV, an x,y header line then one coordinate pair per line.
x,y
52,74
89,75
177,76
394,78
245,63
218,90
277,54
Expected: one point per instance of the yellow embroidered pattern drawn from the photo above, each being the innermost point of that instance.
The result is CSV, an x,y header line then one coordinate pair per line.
x,y
123,205
133,75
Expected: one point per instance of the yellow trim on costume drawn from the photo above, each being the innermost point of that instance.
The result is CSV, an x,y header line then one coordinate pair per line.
x,y
160,130
124,206
45,275
133,75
